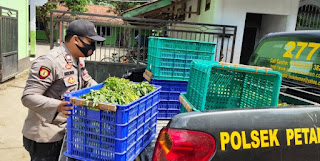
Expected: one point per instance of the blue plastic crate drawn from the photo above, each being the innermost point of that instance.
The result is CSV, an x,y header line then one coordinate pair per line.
x,y
167,114
102,135
140,131
171,86
169,105
154,109
82,152
147,115
169,96
142,142
141,120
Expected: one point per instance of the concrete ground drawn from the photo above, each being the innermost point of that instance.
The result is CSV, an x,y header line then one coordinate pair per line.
x,y
13,114
12,117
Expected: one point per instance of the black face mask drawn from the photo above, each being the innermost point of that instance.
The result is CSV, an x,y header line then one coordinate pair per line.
x,y
87,49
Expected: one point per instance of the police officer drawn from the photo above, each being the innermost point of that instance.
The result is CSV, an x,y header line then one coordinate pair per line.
x,y
60,71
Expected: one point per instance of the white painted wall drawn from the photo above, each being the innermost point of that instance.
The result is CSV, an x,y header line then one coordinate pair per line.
x,y
33,4
205,17
233,12
272,23
32,23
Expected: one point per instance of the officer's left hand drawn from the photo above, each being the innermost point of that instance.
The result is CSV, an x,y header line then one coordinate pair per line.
x,y
64,109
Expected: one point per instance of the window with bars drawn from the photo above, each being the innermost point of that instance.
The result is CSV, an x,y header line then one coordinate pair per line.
x,y
308,18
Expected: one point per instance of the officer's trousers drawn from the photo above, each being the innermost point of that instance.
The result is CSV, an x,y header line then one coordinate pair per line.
x,y
42,151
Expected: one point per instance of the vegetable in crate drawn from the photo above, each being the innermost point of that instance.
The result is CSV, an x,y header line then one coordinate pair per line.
x,y
283,104
118,91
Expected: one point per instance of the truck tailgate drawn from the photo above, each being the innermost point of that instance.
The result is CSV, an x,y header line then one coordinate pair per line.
x,y
284,134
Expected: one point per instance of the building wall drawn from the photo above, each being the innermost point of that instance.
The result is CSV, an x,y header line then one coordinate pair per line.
x,y
23,37
272,23
233,12
41,35
205,16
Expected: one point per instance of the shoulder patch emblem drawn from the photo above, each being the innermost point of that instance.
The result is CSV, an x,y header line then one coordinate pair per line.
x,y
71,80
44,72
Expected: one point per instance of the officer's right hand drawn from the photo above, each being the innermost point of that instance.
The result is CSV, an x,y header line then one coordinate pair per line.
x,y
64,109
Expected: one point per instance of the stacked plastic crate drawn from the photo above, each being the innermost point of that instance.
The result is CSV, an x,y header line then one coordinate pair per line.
x,y
214,85
169,61
110,132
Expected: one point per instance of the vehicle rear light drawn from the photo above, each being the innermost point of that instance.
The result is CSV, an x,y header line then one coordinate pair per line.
x,y
183,145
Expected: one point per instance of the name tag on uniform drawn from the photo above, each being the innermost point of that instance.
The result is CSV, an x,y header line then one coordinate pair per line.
x,y
68,73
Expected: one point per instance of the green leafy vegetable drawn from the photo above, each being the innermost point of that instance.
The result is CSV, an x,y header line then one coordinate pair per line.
x,y
282,104
118,91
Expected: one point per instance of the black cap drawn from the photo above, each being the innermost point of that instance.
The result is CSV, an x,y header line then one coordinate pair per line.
x,y
84,28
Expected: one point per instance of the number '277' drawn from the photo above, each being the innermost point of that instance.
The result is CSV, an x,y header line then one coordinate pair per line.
x,y
302,46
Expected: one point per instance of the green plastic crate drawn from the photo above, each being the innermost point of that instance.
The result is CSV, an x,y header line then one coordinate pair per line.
x,y
170,59
181,44
213,86
182,108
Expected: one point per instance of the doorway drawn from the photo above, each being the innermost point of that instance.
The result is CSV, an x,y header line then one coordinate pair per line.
x,y
251,30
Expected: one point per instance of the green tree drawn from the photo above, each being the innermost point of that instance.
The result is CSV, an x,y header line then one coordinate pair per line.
x,y
120,7
44,11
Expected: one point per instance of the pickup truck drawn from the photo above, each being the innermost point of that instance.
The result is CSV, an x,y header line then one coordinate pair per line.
x,y
266,134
